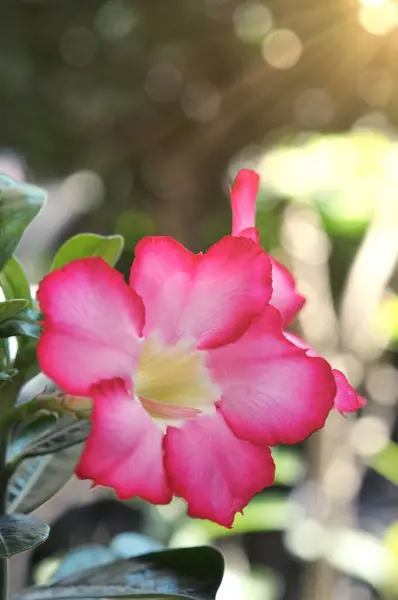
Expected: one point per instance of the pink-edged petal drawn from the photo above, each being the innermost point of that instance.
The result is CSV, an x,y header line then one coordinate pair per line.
x,y
92,324
211,298
215,472
285,296
347,399
243,194
300,343
252,233
162,274
272,391
124,449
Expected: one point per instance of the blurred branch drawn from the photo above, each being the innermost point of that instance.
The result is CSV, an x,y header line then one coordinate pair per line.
x,y
369,275
307,245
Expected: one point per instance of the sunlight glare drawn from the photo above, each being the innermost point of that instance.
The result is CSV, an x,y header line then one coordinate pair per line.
x,y
380,18
373,2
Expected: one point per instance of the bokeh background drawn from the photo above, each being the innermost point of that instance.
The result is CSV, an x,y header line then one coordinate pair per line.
x,y
135,115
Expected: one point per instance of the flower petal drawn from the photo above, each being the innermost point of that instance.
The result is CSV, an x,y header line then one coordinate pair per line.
x,y
285,298
243,200
272,392
346,399
252,233
92,323
162,274
215,472
211,298
124,449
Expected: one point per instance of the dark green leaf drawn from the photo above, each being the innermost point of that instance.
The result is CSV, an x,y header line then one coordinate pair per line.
x,y
13,281
19,533
189,573
25,433
19,204
89,244
8,375
9,308
64,433
26,359
38,479
21,324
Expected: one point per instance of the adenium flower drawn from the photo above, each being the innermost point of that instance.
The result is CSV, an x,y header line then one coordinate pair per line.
x,y
191,374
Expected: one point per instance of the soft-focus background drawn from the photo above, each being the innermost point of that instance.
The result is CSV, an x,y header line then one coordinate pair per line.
x,y
135,115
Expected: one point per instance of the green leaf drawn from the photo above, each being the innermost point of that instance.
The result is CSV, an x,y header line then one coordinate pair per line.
x,y
8,375
26,359
10,389
189,573
25,434
14,282
11,308
38,479
24,324
89,244
19,533
19,204
65,433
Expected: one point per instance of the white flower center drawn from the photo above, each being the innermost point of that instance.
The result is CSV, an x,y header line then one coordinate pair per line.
x,y
173,382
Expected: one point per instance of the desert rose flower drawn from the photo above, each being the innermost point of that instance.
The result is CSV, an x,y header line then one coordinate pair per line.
x,y
191,374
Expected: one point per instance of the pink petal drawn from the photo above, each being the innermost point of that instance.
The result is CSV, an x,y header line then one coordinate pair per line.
x,y
162,274
92,323
285,297
252,233
211,298
272,391
124,450
243,200
215,472
346,399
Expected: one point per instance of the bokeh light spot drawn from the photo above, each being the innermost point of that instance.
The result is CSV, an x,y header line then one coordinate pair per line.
x,y
282,49
78,46
201,101
382,384
375,86
115,20
163,82
379,19
369,436
314,108
252,21
307,539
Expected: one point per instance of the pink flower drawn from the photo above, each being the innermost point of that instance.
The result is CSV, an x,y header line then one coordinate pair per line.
x,y
191,375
